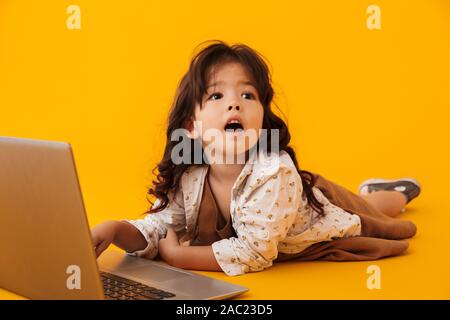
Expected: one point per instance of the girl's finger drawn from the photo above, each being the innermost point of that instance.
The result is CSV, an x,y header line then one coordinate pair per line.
x,y
95,240
100,248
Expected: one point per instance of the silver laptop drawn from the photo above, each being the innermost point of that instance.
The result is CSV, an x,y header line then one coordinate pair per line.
x,y
45,242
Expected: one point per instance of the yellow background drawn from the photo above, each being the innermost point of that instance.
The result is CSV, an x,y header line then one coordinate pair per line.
x,y
360,103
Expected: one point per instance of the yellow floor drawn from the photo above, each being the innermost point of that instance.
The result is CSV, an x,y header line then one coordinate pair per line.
x,y
422,273
360,103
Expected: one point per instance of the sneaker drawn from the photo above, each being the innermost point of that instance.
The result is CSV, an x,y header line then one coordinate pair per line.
x,y
408,186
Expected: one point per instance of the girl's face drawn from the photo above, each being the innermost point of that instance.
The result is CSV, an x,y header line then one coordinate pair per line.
x,y
231,115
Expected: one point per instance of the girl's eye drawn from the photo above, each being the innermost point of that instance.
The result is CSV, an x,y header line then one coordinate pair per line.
x,y
248,95
215,96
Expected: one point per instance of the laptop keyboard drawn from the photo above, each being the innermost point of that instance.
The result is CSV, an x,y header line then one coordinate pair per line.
x,y
118,288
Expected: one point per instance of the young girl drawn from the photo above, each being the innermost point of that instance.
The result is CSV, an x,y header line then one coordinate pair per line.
x,y
240,217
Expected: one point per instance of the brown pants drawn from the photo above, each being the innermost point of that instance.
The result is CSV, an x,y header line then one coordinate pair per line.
x,y
381,235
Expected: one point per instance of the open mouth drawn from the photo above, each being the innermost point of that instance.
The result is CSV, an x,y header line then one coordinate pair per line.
x,y
234,126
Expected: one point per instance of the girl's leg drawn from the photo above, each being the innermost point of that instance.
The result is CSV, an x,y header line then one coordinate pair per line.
x,y
389,202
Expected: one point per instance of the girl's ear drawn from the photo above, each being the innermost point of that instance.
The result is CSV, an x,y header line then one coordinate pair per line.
x,y
192,131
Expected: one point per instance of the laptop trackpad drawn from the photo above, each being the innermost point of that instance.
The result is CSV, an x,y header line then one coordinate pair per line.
x,y
155,273
114,261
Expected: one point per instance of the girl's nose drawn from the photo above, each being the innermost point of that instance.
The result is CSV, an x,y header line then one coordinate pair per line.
x,y
231,107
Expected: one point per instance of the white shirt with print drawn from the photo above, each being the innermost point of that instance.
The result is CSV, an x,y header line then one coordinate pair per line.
x,y
268,212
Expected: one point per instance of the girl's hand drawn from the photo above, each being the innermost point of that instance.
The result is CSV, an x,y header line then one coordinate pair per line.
x,y
169,247
103,235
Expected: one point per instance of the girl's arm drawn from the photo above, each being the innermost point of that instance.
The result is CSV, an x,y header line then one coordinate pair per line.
x,y
186,257
197,258
128,237
154,226
122,234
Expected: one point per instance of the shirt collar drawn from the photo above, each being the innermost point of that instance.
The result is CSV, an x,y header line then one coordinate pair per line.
x,y
255,157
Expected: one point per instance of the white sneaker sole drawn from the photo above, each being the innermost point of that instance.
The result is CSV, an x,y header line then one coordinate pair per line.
x,y
380,180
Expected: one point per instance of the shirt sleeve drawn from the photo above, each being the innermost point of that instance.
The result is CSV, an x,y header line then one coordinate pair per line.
x,y
264,220
154,226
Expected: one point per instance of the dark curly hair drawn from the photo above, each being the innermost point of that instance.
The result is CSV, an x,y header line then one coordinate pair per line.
x,y
191,90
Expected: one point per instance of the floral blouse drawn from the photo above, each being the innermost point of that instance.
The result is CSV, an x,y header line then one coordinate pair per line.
x,y
269,213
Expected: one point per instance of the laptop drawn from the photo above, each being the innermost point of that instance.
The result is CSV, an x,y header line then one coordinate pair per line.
x,y
46,245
